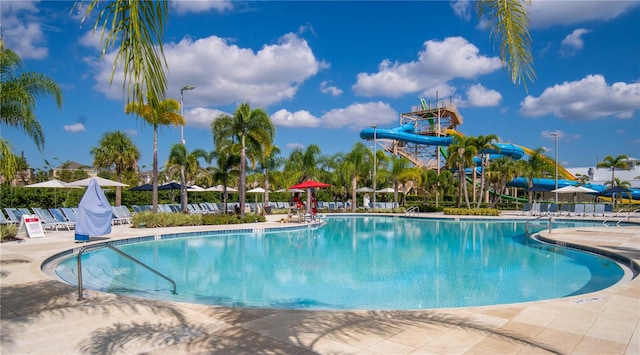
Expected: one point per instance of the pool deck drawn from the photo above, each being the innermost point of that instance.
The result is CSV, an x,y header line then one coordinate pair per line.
x,y
43,316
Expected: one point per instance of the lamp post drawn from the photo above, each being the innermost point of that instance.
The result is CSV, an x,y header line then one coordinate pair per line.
x,y
374,165
183,187
555,137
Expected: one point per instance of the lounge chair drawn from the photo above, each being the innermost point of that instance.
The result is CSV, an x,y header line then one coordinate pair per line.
x,y
4,220
578,210
14,215
552,209
589,210
46,219
599,210
60,218
71,215
117,216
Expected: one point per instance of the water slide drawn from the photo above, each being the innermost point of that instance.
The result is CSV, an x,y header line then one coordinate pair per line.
x,y
406,133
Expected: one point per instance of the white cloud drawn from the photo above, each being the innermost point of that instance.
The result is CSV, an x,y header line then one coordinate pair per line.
x,y
325,88
202,117
569,12
224,73
355,116
462,8
91,39
74,128
132,132
479,96
284,118
185,6
438,63
573,42
587,99
294,146
22,29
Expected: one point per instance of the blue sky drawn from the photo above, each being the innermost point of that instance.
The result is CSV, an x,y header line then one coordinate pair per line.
x,y
325,70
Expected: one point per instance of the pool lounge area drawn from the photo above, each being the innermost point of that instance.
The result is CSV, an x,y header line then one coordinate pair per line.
x,y
40,315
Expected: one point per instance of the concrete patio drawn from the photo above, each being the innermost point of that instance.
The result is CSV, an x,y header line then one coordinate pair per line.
x,y
43,316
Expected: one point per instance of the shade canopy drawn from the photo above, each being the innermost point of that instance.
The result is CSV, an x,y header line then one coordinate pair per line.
x,y
365,189
616,190
257,190
386,190
53,184
149,187
195,188
574,189
220,188
102,182
309,184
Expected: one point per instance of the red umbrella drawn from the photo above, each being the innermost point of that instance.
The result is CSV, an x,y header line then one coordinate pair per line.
x,y
309,184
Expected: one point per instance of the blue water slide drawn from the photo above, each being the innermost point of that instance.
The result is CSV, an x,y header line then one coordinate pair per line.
x,y
405,133
550,184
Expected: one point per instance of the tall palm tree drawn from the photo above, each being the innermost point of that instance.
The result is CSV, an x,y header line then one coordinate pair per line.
x,y
226,172
484,144
304,163
161,113
398,166
359,163
136,28
115,149
19,92
508,21
178,158
500,172
612,163
408,177
254,132
535,167
459,156
267,165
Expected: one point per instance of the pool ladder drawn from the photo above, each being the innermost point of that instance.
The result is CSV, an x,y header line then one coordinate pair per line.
x,y
131,258
526,225
628,217
413,210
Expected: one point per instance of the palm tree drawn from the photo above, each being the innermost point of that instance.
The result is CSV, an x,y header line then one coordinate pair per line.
x,y
225,172
612,163
18,94
398,166
254,132
508,21
501,171
163,113
304,163
358,163
407,176
535,167
460,155
137,29
178,158
115,149
267,165
484,144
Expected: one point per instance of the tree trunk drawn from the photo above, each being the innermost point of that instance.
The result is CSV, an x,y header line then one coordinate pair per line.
x,y
154,183
243,177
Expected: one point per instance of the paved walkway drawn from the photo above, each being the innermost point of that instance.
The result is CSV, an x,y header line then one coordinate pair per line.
x,y
43,316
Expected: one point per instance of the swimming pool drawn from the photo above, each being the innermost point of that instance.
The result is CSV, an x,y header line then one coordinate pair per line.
x,y
353,262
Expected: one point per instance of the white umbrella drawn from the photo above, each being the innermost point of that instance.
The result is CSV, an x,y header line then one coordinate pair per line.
x,y
55,185
195,188
364,189
385,190
102,182
574,189
220,188
258,190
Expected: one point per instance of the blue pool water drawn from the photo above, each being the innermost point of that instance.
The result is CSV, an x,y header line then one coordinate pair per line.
x,y
353,262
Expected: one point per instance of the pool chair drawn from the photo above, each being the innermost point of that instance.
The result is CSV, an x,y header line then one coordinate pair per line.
x,y
567,209
46,219
71,215
14,215
526,209
599,210
589,209
4,220
578,210
552,209
60,218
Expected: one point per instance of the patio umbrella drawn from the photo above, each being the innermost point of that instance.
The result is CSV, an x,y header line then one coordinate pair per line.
x,y
170,186
386,190
364,189
145,187
195,188
220,188
574,189
102,182
257,190
55,185
615,190
309,184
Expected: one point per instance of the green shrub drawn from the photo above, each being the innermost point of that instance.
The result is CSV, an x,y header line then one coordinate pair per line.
x,y
472,211
8,232
159,220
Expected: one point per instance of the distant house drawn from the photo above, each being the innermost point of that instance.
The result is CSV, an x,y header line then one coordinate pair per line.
x,y
72,165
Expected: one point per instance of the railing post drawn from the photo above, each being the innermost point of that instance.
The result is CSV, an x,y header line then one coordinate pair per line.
x,y
80,292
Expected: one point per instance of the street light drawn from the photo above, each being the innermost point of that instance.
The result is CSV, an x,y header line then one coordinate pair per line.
x,y
374,165
555,136
183,187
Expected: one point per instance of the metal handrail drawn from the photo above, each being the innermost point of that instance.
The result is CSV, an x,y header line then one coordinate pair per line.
x,y
526,225
413,209
95,246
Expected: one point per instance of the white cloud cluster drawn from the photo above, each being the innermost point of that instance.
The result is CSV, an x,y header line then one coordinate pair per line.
x,y
543,14
573,42
479,96
74,128
587,99
22,30
202,117
325,88
224,73
439,62
186,6
355,116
